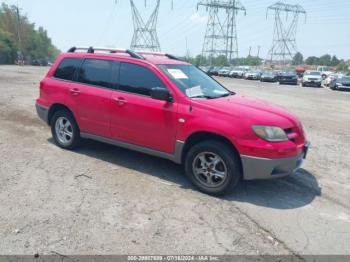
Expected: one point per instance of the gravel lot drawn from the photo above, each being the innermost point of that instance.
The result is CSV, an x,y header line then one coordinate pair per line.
x,y
106,200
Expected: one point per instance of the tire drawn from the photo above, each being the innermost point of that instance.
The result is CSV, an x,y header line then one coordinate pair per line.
x,y
65,130
228,165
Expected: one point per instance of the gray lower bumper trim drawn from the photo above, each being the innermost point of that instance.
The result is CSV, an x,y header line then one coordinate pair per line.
x,y
265,168
43,112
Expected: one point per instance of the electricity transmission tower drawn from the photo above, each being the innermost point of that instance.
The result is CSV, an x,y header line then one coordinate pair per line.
x,y
221,34
145,34
284,45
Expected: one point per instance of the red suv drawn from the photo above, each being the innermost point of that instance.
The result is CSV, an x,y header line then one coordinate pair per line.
x,y
159,105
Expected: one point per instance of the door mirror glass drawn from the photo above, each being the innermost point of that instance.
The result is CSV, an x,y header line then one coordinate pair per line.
x,y
160,93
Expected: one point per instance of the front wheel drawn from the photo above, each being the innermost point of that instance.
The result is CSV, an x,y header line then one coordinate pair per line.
x,y
213,167
65,130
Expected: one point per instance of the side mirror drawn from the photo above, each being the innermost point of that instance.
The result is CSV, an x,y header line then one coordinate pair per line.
x,y
160,93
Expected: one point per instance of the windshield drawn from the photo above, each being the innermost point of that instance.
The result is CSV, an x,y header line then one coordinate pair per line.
x,y
313,73
288,73
345,78
193,82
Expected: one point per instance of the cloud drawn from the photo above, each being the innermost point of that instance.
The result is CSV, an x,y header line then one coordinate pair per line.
x,y
196,18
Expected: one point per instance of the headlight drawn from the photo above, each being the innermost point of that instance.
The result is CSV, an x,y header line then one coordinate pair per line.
x,y
270,133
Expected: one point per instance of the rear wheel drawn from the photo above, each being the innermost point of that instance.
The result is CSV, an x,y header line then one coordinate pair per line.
x,y
65,130
213,167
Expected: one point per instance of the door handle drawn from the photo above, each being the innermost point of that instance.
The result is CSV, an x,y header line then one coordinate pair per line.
x,y
74,91
120,100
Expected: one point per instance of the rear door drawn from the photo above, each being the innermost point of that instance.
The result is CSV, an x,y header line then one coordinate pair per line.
x,y
137,118
90,94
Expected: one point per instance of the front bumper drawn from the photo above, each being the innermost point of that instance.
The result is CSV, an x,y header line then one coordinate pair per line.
x,y
43,112
312,83
267,168
289,81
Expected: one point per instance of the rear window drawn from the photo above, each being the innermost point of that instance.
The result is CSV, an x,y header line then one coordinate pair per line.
x,y
67,68
96,72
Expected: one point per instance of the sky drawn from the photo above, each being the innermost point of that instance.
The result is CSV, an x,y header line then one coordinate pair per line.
x,y
107,23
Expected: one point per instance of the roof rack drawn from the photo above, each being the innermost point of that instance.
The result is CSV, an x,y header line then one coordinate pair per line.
x,y
133,54
159,54
92,50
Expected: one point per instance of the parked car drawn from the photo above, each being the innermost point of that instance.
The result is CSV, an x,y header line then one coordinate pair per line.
x,y
341,83
252,75
237,73
213,71
312,78
268,76
39,62
331,78
324,71
288,77
224,71
162,106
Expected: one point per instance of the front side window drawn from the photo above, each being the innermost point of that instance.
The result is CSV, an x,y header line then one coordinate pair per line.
x,y
138,79
194,82
67,68
96,72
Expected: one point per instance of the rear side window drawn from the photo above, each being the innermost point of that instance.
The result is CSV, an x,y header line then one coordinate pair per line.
x,y
67,68
96,72
137,79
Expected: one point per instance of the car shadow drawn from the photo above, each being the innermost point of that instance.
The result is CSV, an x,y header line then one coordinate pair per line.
x,y
285,193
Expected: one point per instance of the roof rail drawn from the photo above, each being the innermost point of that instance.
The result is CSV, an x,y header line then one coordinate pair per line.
x,y
92,50
160,54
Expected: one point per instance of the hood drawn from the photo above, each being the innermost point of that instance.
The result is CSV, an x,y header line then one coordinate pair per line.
x,y
344,81
313,77
250,111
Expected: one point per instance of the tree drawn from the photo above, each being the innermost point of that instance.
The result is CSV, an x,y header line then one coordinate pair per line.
x,y
325,60
35,43
312,60
335,61
8,48
342,66
298,59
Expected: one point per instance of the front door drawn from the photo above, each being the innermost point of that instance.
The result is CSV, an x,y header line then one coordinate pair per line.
x,y
138,119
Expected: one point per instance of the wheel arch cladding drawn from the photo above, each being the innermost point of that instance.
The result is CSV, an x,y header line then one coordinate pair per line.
x,y
201,136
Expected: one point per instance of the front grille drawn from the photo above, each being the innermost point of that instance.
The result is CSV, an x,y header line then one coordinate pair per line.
x,y
313,79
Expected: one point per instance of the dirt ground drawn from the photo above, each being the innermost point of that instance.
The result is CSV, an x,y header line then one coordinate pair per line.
x,y
102,199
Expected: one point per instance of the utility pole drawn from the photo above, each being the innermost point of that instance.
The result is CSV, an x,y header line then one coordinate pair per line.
x,y
221,33
258,55
250,49
187,51
284,38
19,40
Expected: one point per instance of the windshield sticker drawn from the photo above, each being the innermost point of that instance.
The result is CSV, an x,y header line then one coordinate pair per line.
x,y
177,74
194,91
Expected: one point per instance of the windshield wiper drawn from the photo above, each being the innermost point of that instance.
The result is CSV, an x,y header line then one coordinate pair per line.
x,y
203,96
224,95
